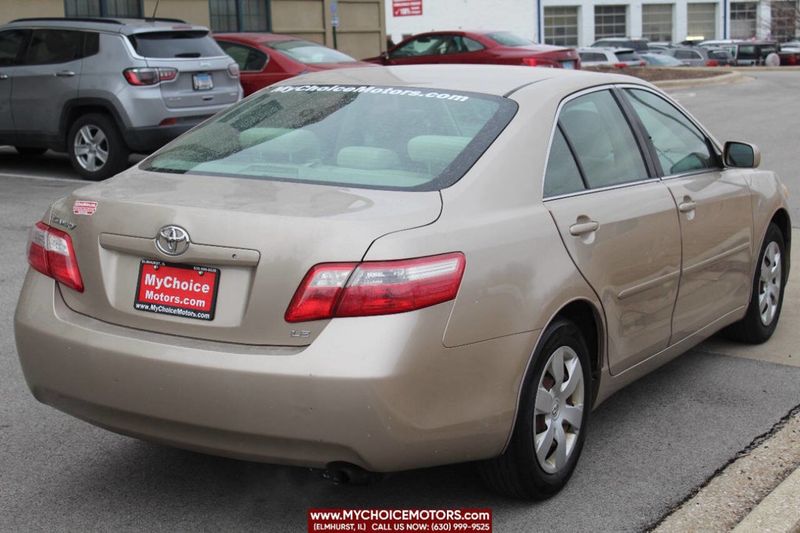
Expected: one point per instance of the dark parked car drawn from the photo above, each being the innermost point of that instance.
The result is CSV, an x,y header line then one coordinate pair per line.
x,y
498,47
267,58
698,56
749,53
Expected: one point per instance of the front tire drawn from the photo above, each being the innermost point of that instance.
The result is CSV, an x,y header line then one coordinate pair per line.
x,y
551,424
766,298
96,148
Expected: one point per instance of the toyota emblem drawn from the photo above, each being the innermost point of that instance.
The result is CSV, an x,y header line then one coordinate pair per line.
x,y
172,240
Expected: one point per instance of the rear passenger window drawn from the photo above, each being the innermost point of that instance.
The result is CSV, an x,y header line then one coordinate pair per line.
x,y
680,145
562,175
11,42
602,140
54,46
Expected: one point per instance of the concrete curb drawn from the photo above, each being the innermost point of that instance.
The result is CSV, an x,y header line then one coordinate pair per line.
x,y
730,77
778,512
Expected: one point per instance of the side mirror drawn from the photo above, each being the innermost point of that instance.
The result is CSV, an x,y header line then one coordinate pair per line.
x,y
741,155
385,56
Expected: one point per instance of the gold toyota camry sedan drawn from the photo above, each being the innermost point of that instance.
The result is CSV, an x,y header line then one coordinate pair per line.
x,y
381,269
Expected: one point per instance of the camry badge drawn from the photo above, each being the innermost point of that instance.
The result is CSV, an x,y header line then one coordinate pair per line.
x,y
172,240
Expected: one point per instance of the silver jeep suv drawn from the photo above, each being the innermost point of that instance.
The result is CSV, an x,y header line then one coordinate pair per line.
x,y
101,88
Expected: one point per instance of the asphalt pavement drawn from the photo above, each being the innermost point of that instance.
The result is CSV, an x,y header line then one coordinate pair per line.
x,y
648,446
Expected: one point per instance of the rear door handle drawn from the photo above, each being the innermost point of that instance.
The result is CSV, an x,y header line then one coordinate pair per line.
x,y
687,206
65,74
582,228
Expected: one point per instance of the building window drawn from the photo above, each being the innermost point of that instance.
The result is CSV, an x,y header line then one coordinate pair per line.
x,y
561,26
784,15
610,21
702,20
657,22
239,15
743,19
103,8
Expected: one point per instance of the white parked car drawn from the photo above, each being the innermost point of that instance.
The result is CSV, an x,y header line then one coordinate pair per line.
x,y
610,57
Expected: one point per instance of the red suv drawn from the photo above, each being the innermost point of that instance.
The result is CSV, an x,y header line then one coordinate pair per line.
x,y
267,58
495,47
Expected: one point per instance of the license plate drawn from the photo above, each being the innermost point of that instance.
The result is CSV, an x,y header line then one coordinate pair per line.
x,y
568,65
178,290
202,82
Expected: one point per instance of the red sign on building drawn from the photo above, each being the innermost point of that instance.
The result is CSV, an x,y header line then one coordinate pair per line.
x,y
406,8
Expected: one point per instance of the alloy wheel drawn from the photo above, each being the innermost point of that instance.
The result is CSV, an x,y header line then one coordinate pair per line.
x,y
91,148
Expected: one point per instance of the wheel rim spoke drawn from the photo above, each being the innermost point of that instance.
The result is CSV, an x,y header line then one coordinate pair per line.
x,y
544,401
561,447
544,441
573,415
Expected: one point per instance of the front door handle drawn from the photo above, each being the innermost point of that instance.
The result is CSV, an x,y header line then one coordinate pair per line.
x,y
582,228
65,74
687,206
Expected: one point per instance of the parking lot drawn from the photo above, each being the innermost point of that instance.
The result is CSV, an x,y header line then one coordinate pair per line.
x,y
650,445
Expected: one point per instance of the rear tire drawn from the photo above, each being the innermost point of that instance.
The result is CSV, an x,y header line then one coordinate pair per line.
x,y
29,151
96,148
766,298
552,418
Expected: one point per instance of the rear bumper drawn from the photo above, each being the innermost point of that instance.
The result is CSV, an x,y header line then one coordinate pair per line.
x,y
146,140
379,392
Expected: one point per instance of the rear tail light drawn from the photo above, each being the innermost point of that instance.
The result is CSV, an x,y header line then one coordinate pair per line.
x,y
712,63
50,252
233,70
376,287
620,65
642,63
530,61
149,76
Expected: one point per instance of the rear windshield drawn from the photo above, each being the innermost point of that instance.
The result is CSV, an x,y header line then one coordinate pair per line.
x,y
506,38
175,44
309,53
351,135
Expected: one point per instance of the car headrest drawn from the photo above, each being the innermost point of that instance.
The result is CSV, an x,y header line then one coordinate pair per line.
x,y
367,158
436,151
294,146
254,136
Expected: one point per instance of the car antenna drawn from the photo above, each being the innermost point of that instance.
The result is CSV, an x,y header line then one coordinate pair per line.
x,y
155,10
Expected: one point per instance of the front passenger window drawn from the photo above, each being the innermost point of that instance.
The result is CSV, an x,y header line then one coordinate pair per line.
x,y
602,140
680,145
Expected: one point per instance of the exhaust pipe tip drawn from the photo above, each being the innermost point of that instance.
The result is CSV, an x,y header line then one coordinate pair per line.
x,y
341,473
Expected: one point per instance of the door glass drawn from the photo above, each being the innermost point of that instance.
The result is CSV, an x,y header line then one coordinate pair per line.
x,y
54,46
422,46
681,147
562,175
248,59
10,43
603,142
471,45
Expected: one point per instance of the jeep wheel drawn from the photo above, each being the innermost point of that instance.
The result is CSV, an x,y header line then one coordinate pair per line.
x,y
96,148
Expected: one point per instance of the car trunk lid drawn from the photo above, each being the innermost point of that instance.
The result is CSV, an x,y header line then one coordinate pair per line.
x,y
253,239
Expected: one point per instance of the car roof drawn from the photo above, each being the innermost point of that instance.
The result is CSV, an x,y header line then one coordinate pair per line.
x,y
497,80
126,26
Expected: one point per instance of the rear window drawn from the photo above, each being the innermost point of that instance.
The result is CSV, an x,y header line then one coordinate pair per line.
x,y
348,135
161,44
309,53
506,38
